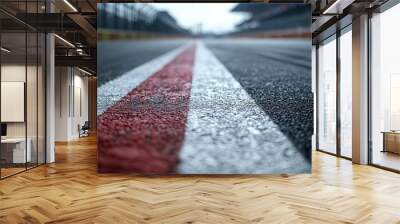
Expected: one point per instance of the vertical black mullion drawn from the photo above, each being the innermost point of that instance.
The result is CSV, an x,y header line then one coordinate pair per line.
x,y
37,89
60,86
338,81
369,91
45,88
0,93
73,92
317,97
26,85
69,93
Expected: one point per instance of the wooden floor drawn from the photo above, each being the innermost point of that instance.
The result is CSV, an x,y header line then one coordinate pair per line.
x,y
70,191
387,159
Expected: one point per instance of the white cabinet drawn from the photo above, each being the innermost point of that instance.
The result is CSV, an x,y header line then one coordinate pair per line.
x,y
19,155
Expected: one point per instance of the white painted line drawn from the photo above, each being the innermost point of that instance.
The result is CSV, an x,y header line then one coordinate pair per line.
x,y
109,93
227,132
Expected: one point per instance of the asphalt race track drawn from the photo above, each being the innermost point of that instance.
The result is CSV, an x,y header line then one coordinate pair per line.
x,y
277,75
118,57
243,106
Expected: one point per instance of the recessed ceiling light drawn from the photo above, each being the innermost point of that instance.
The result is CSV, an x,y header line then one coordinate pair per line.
x,y
337,7
64,40
84,71
70,5
5,50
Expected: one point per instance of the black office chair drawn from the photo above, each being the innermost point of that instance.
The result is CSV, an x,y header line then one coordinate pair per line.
x,y
84,130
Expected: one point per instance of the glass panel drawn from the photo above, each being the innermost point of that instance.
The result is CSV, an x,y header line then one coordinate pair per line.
x,y
31,98
385,84
41,99
346,94
13,87
22,88
327,96
32,89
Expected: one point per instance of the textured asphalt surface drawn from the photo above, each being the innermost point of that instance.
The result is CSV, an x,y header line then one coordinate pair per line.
x,y
118,57
250,105
277,75
112,91
227,133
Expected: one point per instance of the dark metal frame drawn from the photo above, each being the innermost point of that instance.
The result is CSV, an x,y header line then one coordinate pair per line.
x,y
44,71
380,9
339,32
369,114
0,89
338,98
387,5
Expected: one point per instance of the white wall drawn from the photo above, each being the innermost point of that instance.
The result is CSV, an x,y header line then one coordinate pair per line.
x,y
70,84
62,82
33,126
16,73
50,93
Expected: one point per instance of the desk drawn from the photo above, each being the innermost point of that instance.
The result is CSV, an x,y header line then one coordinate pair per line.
x,y
391,141
16,147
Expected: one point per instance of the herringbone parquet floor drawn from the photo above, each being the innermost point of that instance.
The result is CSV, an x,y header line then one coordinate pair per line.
x,y
70,191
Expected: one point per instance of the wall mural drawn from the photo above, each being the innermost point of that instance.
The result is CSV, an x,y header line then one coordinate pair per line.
x,y
216,88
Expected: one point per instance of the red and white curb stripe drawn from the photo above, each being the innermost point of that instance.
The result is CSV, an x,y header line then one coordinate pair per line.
x,y
227,132
143,132
109,93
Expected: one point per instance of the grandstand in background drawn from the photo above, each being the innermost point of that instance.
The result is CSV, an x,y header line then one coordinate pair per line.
x,y
268,20
120,20
136,21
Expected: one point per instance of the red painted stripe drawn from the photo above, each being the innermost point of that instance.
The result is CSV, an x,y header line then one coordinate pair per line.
x,y
143,132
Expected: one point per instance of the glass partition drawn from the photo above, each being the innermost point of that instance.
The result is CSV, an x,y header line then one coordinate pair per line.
x,y
346,93
385,89
41,96
22,101
31,99
327,96
14,153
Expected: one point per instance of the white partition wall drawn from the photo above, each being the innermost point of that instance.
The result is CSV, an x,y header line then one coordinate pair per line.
x,y
71,102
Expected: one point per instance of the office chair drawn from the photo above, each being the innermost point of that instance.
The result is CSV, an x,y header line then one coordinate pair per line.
x,y
84,130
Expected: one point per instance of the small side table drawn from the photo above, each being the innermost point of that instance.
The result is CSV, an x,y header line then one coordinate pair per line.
x,y
391,141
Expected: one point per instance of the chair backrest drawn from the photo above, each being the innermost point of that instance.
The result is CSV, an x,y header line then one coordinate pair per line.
x,y
86,125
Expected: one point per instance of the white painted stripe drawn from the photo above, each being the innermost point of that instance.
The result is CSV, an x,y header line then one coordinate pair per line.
x,y
109,93
227,132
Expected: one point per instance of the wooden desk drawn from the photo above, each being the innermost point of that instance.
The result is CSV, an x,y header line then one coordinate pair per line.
x,y
391,141
16,147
